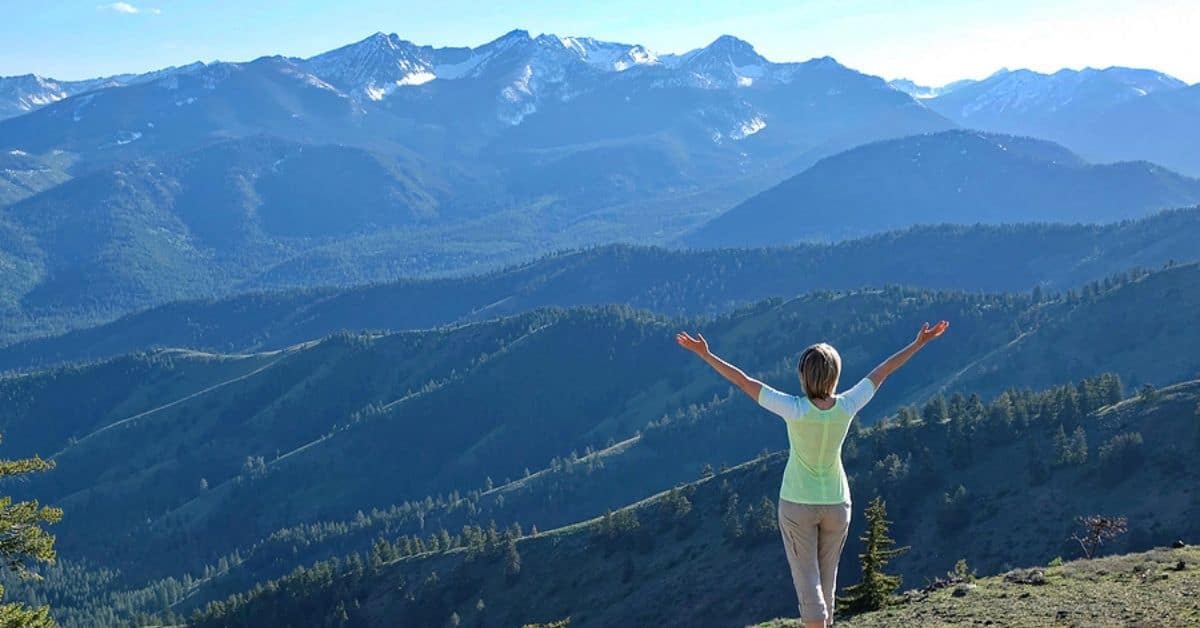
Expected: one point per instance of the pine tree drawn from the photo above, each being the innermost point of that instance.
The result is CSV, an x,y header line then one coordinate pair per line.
x,y
1069,411
512,562
674,509
731,519
935,410
876,588
23,539
1114,390
959,441
766,520
1062,447
1079,446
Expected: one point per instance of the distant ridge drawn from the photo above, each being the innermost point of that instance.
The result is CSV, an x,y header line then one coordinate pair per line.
x,y
962,177
1056,257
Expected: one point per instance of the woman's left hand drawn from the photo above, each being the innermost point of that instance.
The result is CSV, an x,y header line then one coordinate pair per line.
x,y
697,345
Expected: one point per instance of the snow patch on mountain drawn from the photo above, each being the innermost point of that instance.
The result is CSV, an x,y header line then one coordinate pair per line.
x,y
129,138
748,128
608,56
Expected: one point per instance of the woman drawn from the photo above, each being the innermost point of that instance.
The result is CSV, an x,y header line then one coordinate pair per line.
x,y
814,500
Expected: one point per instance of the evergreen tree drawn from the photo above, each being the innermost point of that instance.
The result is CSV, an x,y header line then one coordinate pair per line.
x,y
512,562
876,588
674,509
1079,446
999,419
1070,450
731,519
1069,411
22,539
959,440
1112,388
935,410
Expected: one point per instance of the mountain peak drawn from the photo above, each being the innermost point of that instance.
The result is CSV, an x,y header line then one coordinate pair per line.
x,y
727,61
373,67
378,39
738,50
516,34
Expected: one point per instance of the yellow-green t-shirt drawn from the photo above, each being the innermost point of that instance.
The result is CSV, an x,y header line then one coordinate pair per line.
x,y
814,473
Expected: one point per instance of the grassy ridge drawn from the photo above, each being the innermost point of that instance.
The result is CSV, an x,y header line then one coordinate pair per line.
x,y
1156,588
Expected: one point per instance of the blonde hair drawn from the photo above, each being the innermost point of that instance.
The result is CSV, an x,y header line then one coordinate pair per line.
x,y
820,367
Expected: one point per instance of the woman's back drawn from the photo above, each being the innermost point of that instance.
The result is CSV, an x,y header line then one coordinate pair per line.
x,y
814,473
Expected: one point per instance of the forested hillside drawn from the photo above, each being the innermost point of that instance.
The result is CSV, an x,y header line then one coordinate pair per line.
x,y
994,484
675,283
312,429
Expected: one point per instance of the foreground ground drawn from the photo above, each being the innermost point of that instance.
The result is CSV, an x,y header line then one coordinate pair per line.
x,y
1156,588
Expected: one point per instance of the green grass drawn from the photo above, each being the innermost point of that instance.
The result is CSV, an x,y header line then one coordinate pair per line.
x,y
1156,588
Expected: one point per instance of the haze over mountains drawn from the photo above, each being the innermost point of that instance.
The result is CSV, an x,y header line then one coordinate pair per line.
x,y
1109,114
949,177
668,282
385,159
399,299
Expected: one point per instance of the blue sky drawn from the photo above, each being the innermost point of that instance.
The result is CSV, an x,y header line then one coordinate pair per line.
x,y
931,41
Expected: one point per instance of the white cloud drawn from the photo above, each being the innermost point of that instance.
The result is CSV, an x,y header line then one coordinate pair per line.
x,y
120,7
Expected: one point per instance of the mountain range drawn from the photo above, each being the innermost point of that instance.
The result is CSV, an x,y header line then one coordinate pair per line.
x,y
384,91
668,282
385,159
1105,114
355,165
264,213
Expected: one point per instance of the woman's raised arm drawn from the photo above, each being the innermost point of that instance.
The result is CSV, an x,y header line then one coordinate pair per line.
x,y
735,375
898,359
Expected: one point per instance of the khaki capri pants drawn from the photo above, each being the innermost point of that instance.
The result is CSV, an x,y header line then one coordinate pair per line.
x,y
813,536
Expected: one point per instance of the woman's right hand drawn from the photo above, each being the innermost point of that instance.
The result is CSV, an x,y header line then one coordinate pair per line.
x,y
928,333
697,345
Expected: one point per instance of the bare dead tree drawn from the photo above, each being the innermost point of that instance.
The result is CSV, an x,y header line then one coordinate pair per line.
x,y
1095,530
